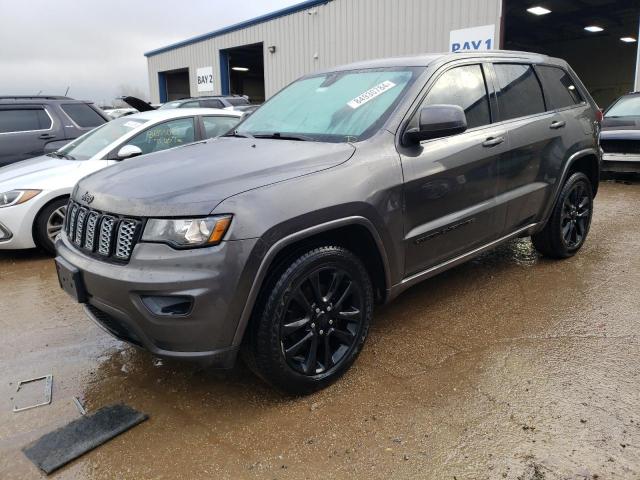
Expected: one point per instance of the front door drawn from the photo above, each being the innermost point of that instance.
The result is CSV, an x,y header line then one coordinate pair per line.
x,y
450,183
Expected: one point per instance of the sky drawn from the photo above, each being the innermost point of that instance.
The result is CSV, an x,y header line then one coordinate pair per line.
x,y
96,47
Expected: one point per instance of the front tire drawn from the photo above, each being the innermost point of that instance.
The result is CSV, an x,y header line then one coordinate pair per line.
x,y
568,227
49,223
311,321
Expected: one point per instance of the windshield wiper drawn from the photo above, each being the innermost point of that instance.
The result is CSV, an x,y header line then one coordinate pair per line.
x,y
239,135
285,136
57,154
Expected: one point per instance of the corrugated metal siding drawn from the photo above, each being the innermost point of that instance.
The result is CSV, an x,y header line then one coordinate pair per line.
x,y
342,31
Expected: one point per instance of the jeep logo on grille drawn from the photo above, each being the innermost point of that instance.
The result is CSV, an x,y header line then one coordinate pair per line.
x,y
87,198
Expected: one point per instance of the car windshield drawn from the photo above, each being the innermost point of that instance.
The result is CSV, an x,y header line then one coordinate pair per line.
x,y
169,105
88,145
333,107
625,107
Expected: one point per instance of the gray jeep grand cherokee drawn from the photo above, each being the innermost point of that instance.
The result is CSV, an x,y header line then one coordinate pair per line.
x,y
343,190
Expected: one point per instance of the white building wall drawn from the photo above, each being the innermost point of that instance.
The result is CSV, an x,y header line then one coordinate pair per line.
x,y
338,32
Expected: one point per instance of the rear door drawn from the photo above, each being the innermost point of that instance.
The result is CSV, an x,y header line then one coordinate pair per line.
x,y
536,144
24,132
450,183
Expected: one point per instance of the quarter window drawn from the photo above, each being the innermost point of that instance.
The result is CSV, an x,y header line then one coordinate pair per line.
x,y
24,120
519,92
83,115
166,135
463,86
216,126
559,87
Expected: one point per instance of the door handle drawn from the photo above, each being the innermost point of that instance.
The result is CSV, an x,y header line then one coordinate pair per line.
x,y
558,124
492,142
46,136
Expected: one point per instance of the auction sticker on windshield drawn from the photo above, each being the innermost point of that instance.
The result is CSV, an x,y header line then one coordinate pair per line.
x,y
371,94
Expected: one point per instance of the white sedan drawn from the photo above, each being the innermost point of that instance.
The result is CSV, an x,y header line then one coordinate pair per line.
x,y
34,193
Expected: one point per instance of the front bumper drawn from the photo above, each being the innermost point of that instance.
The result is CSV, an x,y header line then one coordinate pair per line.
x,y
621,162
210,277
17,222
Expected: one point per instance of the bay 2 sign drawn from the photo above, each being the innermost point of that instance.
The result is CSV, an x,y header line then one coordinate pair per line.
x,y
472,39
205,79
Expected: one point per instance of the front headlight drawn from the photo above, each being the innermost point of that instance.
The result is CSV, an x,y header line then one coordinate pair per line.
x,y
187,232
16,197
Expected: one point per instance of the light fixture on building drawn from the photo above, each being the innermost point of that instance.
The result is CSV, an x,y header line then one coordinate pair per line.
x,y
240,69
593,29
538,10
272,49
628,40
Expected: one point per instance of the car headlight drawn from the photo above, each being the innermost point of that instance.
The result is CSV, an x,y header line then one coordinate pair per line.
x,y
187,232
16,197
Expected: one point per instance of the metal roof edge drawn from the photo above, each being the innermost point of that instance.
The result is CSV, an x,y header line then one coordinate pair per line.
x,y
239,26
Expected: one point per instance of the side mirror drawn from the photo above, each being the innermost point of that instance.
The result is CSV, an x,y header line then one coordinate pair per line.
x,y
437,121
129,151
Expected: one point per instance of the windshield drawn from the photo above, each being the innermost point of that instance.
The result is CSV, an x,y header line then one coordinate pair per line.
x,y
166,106
333,107
625,107
88,145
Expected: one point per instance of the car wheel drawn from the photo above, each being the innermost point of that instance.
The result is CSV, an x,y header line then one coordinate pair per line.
x,y
49,223
568,227
311,321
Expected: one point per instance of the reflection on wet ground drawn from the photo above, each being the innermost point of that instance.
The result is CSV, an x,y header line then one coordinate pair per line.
x,y
510,366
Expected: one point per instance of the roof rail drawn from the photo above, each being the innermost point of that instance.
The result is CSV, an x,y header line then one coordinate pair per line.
x,y
34,97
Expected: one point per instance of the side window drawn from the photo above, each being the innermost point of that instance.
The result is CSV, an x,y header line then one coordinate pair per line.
x,y
24,120
559,87
165,135
519,92
195,104
83,115
237,101
212,104
216,126
463,86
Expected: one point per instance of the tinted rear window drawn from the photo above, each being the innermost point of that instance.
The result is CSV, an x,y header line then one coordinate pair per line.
x,y
238,101
212,103
520,93
559,87
17,120
83,115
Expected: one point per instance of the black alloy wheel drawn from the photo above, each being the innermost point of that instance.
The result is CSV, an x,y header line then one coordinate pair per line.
x,y
576,214
311,319
321,321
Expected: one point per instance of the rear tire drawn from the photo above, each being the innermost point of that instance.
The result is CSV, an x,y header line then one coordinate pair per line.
x,y
311,320
48,224
568,227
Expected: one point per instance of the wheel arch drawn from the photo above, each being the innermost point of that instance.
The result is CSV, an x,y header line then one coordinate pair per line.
x,y
586,161
45,205
357,234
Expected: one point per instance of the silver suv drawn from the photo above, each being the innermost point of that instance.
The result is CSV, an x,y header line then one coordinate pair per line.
x,y
343,190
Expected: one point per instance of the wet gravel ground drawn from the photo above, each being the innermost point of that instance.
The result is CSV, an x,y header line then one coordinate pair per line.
x,y
510,366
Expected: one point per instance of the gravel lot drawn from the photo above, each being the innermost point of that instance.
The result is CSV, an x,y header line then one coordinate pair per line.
x,y
510,366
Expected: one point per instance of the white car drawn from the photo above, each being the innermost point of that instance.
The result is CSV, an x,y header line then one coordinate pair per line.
x,y
34,193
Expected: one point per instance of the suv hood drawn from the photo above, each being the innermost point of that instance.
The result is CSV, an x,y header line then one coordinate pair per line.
x,y
192,180
626,123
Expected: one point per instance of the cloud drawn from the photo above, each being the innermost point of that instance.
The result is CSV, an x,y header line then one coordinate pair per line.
x,y
94,46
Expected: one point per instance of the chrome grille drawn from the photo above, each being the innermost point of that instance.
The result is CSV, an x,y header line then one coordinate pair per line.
x,y
108,236
82,216
126,233
90,234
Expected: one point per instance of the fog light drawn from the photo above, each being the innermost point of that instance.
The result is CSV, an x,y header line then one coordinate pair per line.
x,y
5,234
167,305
